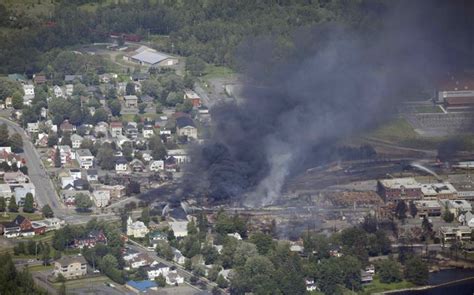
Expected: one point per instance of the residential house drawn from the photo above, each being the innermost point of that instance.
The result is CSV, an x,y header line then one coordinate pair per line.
x,y
173,278
19,224
135,259
92,175
156,166
69,89
115,129
75,173
193,97
186,127
101,128
139,76
131,130
76,140
70,267
5,191
153,271
32,127
85,158
449,234
467,219
15,177
428,208
58,92
180,155
65,126
101,198
42,140
93,238
29,93
136,229
81,184
457,207
131,101
116,191
72,78
148,131
65,153
180,228
178,257
121,165
22,190
67,182
137,166
170,164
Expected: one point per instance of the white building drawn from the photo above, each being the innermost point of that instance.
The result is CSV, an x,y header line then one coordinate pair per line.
x,y
180,155
457,207
69,89
180,228
158,165
155,270
32,127
85,158
148,131
101,198
76,140
136,229
58,92
29,91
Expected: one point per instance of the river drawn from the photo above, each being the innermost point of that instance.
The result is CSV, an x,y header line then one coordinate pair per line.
x,y
465,287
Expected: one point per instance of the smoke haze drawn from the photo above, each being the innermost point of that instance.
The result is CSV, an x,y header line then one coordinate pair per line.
x,y
304,93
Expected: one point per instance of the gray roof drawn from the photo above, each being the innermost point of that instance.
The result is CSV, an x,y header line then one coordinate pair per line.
x,y
184,121
68,260
150,57
84,153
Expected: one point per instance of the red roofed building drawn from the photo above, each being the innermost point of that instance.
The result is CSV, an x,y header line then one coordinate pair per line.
x,y
39,79
457,92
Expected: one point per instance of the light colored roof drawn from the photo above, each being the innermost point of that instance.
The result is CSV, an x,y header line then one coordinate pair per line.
x,y
130,97
397,183
434,189
150,57
428,203
459,204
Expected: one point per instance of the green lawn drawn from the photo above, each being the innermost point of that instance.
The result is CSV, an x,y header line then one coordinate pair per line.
x,y
213,71
428,109
32,268
377,286
394,131
88,281
9,216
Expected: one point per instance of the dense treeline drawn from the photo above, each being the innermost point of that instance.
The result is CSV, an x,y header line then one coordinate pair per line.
x,y
13,281
210,29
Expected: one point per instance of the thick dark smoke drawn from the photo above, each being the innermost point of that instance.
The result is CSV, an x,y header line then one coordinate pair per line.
x,y
327,83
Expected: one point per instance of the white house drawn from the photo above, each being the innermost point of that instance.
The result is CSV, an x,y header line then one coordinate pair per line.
x,y
85,158
158,165
148,131
69,89
75,173
467,219
178,257
32,127
180,155
155,270
67,181
76,140
180,228
101,198
121,165
58,92
136,229
29,91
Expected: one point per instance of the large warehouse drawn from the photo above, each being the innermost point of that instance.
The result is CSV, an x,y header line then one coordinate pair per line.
x,y
150,57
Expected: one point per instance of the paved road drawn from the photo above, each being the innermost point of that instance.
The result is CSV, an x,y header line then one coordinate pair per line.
x,y
45,191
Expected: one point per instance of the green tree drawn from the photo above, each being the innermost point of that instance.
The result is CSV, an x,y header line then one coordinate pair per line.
x,y
164,250
4,135
17,100
185,107
66,139
145,216
57,158
12,205
160,281
16,142
158,150
115,107
83,202
130,89
46,254
222,282
195,66
263,242
448,216
29,203
401,210
214,272
413,209
105,157
244,251
3,204
47,211
389,271
52,139
141,108
416,271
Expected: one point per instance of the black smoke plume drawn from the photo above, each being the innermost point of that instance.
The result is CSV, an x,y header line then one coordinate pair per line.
x,y
304,93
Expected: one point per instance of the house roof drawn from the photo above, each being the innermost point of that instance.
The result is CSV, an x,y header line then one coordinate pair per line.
x,y
150,57
121,160
84,153
115,124
92,172
71,259
19,219
182,122
130,97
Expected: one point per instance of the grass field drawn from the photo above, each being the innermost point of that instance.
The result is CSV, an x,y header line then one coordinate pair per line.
x,y
395,131
377,286
428,109
213,71
11,215
32,268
